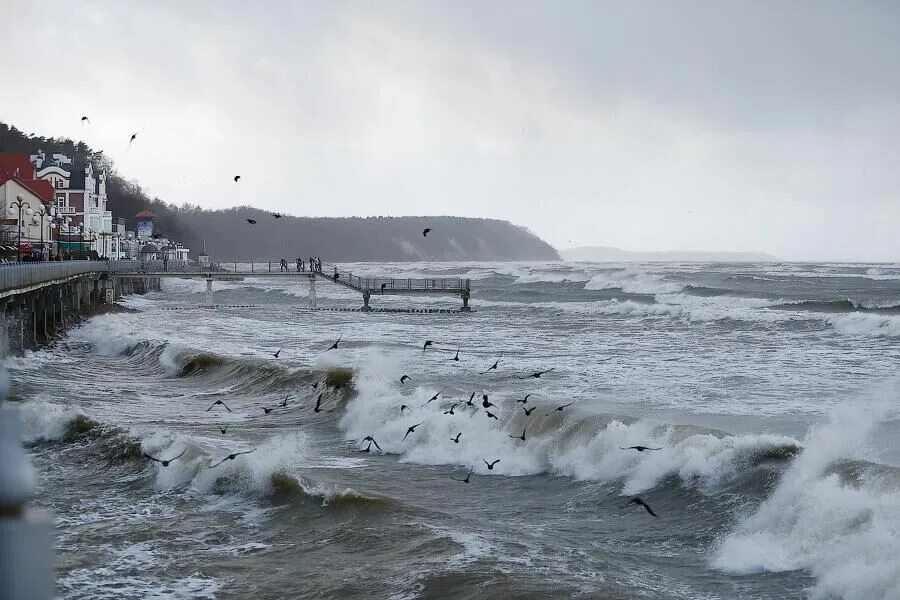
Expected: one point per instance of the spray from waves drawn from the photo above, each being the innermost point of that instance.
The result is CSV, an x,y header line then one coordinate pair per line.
x,y
45,421
585,447
847,533
883,274
866,324
633,281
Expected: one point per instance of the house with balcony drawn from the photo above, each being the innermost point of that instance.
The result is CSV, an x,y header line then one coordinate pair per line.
x,y
26,209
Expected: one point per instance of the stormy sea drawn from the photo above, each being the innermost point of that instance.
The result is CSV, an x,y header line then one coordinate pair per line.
x,y
766,394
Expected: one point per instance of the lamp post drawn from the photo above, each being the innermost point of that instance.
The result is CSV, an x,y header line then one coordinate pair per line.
x,y
46,215
19,205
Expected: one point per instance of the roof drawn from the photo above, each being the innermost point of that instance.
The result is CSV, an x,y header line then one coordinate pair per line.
x,y
16,164
40,188
145,214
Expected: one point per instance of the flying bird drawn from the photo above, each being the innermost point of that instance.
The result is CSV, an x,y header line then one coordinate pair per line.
x,y
284,402
224,430
230,457
403,407
166,462
538,374
450,412
277,215
491,415
525,399
640,502
251,221
456,358
639,448
410,430
490,465
237,178
277,353
404,378
426,231
559,408
315,385
133,137
469,401
334,346
216,403
371,440
528,411
267,410
456,439
494,366
367,448
85,120
428,344
485,402
520,437
466,480
319,403
433,398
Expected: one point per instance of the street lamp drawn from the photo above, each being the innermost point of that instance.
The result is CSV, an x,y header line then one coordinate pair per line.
x,y
19,205
45,215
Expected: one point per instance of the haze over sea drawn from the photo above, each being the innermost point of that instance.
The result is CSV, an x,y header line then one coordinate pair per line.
x,y
771,390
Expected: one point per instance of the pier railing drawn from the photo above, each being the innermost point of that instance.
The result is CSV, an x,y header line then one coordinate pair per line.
x,y
22,275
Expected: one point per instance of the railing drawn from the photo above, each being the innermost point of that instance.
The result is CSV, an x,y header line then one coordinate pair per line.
x,y
378,285
19,275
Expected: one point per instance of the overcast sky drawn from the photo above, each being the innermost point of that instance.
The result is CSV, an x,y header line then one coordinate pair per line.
x,y
713,125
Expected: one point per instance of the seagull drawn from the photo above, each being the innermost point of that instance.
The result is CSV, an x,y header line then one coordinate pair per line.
x,y
493,366
433,398
230,457
284,402
371,441
404,378
466,480
450,412
251,221
224,430
85,120
315,385
217,402
426,231
491,415
520,437
277,353
490,465
403,407
528,411
456,358
456,439
277,215
538,374
319,403
524,400
485,402
237,178
639,448
428,343
559,408
133,137
368,448
267,410
334,346
410,430
166,462
469,402
639,502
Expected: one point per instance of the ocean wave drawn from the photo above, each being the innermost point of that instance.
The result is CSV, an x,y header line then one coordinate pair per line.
x,y
866,324
846,533
586,447
839,306
633,281
46,421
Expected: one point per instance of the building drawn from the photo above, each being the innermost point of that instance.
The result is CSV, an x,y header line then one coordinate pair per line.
x,y
145,224
25,228
80,194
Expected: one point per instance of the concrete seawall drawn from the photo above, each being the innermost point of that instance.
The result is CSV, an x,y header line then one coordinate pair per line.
x,y
34,317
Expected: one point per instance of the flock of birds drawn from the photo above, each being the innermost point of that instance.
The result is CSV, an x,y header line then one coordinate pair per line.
x,y
485,403
86,121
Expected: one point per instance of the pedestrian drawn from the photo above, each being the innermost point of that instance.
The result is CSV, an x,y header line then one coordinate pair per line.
x,y
299,264
283,265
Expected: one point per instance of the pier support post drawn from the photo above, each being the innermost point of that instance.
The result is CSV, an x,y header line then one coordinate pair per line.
x,y
209,291
312,291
